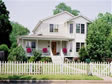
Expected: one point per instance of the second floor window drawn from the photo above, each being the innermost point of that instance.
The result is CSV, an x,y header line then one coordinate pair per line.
x,y
80,28
77,28
71,28
53,27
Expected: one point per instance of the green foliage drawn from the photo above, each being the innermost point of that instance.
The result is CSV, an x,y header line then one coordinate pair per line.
x,y
14,45
46,59
63,7
17,30
83,54
99,39
37,55
17,54
4,47
32,59
5,26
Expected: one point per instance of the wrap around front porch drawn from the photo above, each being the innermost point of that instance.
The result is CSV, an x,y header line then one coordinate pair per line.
x,y
47,45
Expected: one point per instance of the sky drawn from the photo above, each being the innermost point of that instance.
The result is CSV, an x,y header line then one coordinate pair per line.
x,y
29,12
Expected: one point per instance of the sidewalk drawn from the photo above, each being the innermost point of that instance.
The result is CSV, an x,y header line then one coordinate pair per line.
x,y
107,78
55,82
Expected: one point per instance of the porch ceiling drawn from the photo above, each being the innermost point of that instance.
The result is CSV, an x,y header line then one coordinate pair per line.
x,y
45,37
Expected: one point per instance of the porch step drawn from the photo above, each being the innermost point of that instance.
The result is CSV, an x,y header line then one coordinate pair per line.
x,y
57,59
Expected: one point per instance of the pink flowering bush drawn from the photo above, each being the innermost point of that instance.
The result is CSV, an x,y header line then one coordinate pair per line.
x,y
64,50
29,50
45,50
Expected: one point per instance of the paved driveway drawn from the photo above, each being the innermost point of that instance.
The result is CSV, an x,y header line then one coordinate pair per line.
x,y
56,82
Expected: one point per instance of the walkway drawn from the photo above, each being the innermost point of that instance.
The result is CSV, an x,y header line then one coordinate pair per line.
x,y
55,82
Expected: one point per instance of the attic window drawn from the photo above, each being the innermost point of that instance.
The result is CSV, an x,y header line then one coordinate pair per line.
x,y
53,27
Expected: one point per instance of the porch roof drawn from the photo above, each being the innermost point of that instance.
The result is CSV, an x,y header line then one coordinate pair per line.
x,y
44,37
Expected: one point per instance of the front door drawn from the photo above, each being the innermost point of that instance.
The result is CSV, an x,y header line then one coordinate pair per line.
x,y
54,48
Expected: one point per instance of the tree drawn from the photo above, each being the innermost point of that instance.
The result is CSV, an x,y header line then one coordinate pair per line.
x,y
99,37
5,26
17,54
17,30
63,7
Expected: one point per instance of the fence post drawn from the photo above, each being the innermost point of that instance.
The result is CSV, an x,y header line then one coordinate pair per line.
x,y
111,68
91,68
61,68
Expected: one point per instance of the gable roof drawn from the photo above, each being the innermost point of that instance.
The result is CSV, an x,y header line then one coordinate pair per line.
x,y
75,17
51,17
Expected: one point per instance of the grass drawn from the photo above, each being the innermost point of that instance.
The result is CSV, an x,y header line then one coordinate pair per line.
x,y
48,77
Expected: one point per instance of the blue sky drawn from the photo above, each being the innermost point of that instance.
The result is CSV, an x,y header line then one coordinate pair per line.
x,y
29,12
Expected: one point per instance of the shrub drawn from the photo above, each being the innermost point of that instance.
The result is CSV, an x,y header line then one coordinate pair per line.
x,y
14,45
17,54
83,54
32,59
46,59
4,47
37,55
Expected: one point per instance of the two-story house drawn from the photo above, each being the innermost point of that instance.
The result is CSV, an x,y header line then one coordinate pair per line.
x,y
59,36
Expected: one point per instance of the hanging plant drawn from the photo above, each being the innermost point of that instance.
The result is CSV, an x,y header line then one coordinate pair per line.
x,y
64,50
29,50
45,50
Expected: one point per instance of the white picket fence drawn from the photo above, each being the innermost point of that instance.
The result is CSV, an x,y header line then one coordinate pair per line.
x,y
100,69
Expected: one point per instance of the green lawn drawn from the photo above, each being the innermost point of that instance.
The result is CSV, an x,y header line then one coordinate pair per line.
x,y
48,77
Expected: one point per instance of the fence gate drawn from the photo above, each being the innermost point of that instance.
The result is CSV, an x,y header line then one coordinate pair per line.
x,y
101,69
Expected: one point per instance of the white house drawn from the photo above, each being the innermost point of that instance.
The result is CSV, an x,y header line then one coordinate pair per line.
x,y
59,36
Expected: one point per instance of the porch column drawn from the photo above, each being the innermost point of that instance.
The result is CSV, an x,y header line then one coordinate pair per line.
x,y
51,49
68,49
62,55
61,48
37,44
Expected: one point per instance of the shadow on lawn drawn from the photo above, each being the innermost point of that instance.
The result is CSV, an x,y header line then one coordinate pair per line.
x,y
20,77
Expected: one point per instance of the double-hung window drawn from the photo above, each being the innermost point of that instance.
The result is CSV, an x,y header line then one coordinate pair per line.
x,y
80,28
77,28
33,44
51,27
54,27
79,45
71,28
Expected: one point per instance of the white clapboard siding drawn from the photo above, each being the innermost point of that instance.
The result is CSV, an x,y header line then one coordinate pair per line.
x,y
33,68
